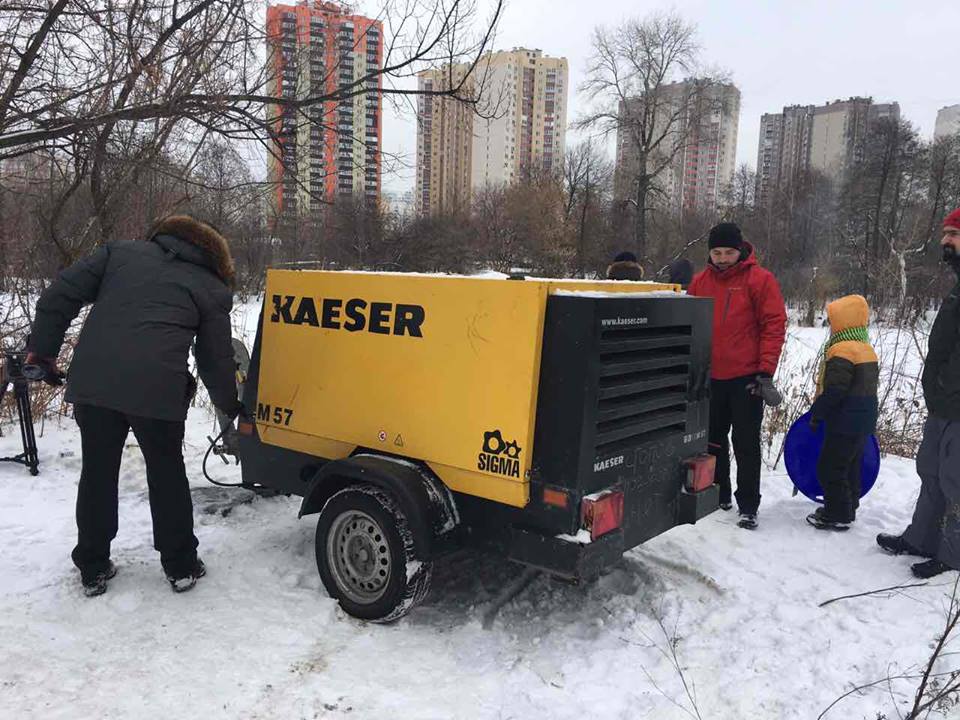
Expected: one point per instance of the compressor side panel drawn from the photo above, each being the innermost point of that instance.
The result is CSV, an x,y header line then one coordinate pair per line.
x,y
442,370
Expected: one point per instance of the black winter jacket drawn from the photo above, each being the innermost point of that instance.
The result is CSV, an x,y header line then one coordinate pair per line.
x,y
941,372
150,301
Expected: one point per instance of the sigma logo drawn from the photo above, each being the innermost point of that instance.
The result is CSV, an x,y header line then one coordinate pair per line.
x,y
612,462
623,322
353,315
499,456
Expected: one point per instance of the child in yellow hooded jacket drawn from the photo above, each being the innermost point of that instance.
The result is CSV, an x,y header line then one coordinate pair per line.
x,y
847,405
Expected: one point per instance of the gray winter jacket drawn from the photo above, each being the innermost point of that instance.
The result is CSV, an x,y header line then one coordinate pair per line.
x,y
151,299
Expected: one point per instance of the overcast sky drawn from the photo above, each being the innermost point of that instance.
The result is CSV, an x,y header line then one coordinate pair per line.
x,y
781,52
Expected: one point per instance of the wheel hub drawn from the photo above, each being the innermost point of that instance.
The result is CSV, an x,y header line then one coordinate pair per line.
x,y
358,556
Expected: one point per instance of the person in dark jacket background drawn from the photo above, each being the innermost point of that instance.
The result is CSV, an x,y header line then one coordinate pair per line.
x,y
749,329
680,272
151,300
847,405
625,267
934,532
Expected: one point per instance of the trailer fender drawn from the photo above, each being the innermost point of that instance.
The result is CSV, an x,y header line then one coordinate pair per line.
x,y
426,502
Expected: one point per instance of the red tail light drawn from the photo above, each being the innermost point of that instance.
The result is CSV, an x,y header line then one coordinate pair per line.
x,y
556,497
700,472
602,513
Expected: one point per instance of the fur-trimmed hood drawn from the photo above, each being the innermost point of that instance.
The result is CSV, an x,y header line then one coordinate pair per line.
x,y
203,236
625,270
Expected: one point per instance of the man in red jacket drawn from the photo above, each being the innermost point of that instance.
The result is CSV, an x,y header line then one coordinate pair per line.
x,y
749,327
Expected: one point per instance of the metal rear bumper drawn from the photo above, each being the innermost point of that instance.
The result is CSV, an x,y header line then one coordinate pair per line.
x,y
583,561
696,506
565,558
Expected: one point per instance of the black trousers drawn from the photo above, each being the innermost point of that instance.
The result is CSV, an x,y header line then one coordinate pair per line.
x,y
103,433
733,406
838,471
935,529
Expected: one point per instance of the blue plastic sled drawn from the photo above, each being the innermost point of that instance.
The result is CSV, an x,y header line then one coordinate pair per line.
x,y
802,451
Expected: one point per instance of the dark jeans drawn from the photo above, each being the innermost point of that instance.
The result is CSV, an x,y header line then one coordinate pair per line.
x,y
103,433
732,405
838,471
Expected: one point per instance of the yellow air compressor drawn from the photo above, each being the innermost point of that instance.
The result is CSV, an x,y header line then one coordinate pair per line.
x,y
556,422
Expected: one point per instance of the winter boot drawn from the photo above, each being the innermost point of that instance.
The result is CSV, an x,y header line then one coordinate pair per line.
x,y
896,545
183,582
95,582
929,569
822,521
748,521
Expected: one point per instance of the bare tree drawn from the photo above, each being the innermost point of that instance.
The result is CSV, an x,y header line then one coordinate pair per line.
x,y
105,93
944,189
586,181
222,186
631,83
70,68
741,193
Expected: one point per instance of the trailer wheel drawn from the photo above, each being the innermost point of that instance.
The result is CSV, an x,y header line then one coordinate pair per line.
x,y
367,556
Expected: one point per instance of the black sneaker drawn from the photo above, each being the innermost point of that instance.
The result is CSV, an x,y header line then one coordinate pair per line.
x,y
896,545
748,521
726,506
929,569
821,521
182,583
95,583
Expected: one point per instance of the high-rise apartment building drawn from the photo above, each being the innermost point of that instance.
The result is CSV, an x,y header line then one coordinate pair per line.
x,y
784,147
699,150
519,126
948,122
768,155
444,143
827,139
330,150
839,130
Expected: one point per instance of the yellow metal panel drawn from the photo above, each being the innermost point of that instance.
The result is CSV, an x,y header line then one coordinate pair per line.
x,y
491,487
468,382
308,444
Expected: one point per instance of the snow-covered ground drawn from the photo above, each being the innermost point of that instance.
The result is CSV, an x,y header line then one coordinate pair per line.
x,y
259,638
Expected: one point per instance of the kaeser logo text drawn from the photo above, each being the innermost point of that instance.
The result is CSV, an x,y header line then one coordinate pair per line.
x,y
602,465
353,315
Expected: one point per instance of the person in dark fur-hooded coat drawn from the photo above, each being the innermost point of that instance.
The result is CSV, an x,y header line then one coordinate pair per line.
x,y
152,299
625,267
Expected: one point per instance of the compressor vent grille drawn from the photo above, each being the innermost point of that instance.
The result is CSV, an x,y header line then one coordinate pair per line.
x,y
643,383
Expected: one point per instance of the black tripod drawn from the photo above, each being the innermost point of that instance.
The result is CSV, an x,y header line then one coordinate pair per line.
x,y
11,373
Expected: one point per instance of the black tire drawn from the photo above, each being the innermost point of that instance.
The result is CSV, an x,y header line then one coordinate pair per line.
x,y
367,556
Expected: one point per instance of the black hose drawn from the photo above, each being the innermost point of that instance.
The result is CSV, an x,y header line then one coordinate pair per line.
x,y
213,445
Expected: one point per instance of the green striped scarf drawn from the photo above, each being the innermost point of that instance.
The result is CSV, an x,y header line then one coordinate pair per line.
x,y
855,334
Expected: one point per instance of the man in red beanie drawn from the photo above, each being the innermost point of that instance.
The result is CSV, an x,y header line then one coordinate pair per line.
x,y
749,327
934,532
